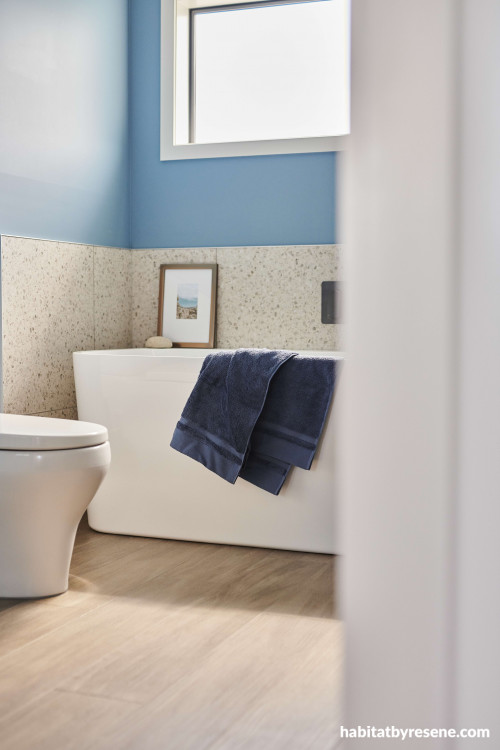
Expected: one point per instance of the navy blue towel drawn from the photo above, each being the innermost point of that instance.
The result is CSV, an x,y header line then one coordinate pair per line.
x,y
255,412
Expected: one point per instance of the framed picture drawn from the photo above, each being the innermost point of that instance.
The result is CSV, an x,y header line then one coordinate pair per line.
x,y
187,304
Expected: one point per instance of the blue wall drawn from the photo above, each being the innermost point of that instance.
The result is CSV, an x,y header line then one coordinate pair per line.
x,y
63,120
260,200
65,146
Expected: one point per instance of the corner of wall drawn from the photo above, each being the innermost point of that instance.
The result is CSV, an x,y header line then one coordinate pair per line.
x,y
129,128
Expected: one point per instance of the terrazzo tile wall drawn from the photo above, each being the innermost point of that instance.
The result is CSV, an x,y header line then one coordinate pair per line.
x,y
267,296
58,298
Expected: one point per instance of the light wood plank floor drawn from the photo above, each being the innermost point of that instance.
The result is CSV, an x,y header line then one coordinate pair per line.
x,y
164,645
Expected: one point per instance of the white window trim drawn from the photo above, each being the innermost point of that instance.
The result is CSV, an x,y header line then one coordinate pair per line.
x,y
174,89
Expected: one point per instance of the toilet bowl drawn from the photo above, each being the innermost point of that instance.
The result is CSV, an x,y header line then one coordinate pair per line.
x,y
50,469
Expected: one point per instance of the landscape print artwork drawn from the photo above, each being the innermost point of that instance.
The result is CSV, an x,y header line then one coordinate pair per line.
x,y
187,301
187,304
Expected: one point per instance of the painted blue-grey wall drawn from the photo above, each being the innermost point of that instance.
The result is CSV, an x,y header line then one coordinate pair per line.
x,y
63,120
1,337
64,167
261,200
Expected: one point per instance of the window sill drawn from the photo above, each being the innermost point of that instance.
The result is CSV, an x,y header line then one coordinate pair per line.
x,y
169,152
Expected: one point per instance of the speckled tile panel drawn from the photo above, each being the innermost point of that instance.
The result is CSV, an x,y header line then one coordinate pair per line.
x,y
47,299
271,297
63,297
113,297
146,281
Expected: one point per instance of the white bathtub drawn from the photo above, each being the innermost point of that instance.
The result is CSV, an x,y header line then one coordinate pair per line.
x,y
152,490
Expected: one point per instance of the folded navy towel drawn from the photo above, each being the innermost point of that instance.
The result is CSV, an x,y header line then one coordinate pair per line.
x,y
220,414
291,421
255,412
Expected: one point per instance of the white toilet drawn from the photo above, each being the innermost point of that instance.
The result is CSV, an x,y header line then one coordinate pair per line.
x,y
50,469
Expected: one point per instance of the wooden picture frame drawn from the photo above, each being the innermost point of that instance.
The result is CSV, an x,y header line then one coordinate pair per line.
x,y
187,304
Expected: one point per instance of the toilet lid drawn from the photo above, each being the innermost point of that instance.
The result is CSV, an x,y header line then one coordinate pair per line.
x,y
45,434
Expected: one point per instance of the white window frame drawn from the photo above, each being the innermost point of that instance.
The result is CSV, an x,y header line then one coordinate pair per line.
x,y
175,99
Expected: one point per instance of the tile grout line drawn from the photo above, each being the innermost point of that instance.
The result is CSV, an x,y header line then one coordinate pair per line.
x,y
50,411
180,677
6,718
130,260
93,294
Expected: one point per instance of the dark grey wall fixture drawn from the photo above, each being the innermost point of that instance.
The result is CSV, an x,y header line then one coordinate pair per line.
x,y
331,301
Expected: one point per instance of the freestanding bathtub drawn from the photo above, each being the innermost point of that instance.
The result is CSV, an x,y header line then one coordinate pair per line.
x,y
152,490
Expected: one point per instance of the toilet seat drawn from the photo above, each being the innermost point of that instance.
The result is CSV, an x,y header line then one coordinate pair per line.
x,y
19,432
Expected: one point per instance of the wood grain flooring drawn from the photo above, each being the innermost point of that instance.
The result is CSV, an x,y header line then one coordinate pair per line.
x,y
165,645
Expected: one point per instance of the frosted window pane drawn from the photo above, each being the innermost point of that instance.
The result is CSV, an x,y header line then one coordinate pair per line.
x,y
272,72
